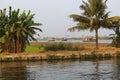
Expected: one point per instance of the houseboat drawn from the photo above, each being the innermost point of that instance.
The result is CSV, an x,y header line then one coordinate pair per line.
x,y
51,39
88,39
63,39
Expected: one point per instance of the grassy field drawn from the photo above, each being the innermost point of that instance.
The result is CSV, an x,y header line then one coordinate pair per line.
x,y
83,47
32,49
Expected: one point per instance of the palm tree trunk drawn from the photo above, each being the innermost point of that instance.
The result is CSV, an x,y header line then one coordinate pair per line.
x,y
96,31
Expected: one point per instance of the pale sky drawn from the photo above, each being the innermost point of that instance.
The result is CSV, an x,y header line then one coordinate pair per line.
x,y
54,15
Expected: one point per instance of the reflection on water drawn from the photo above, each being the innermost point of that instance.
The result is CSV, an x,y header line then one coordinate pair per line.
x,y
61,70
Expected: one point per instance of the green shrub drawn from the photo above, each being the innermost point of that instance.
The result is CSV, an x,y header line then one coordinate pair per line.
x,y
62,46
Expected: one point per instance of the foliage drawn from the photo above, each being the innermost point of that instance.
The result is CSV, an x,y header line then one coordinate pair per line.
x,y
52,47
93,17
62,46
116,38
16,30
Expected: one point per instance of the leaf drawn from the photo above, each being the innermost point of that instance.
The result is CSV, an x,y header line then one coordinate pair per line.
x,y
114,19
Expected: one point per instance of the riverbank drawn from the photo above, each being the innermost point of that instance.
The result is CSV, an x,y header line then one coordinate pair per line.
x,y
105,51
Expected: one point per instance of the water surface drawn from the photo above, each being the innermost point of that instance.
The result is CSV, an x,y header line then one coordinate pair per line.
x,y
80,41
61,70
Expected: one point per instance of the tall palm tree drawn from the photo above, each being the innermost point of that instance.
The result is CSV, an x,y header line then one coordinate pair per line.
x,y
93,17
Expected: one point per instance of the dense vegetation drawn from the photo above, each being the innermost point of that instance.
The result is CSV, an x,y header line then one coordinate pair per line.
x,y
116,36
16,30
62,46
53,47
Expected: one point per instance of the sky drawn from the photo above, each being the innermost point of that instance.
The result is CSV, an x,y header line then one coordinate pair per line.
x,y
54,15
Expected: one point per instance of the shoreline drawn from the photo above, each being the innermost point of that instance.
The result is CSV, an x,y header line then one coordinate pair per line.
x,y
90,52
58,55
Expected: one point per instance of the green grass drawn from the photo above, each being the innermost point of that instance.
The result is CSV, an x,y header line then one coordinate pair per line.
x,y
32,49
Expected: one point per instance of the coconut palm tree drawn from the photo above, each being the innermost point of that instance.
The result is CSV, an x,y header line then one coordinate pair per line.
x,y
93,17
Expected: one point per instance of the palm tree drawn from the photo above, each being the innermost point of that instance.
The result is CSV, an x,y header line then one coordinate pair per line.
x,y
93,17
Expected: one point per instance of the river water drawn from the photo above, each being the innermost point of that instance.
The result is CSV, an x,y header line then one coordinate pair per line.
x,y
80,41
61,70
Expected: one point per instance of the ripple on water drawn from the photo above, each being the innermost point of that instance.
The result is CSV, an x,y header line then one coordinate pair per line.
x,y
68,70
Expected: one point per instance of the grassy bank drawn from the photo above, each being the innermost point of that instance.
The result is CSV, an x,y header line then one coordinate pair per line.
x,y
84,51
58,56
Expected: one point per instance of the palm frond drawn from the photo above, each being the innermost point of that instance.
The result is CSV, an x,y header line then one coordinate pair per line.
x,y
34,28
114,19
105,16
79,18
79,27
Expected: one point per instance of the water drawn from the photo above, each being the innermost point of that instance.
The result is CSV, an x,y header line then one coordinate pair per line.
x,y
61,70
73,41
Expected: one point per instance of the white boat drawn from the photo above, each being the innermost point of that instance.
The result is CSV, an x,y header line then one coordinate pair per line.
x,y
88,39
51,39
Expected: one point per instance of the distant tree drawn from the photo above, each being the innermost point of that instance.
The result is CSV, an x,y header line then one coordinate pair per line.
x,y
93,17
17,31
116,36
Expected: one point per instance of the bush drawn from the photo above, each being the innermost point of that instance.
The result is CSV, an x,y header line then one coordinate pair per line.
x,y
62,46
116,42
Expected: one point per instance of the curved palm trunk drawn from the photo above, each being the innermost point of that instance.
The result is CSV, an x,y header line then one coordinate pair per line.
x,y
96,31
